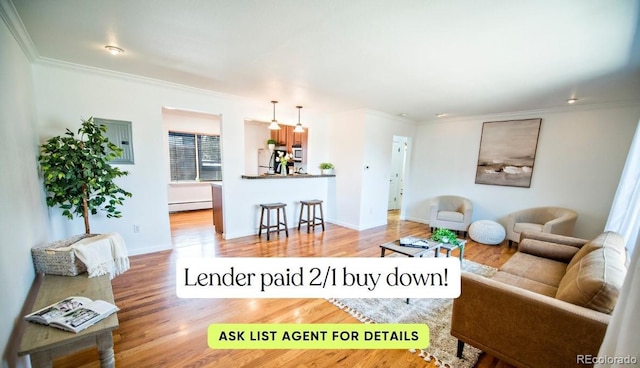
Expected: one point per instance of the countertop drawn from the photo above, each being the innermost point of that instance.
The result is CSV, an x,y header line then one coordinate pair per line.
x,y
291,176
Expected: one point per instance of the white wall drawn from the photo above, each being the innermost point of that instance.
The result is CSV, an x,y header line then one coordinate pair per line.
x,y
580,155
23,215
67,93
187,196
380,129
346,147
361,144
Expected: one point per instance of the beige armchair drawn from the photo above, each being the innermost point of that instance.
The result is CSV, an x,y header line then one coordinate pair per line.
x,y
551,220
451,212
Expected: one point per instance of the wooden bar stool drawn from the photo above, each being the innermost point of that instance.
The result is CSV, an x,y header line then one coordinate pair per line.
x,y
278,207
312,219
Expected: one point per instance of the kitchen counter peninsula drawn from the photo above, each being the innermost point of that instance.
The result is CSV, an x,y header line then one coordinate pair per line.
x,y
290,176
243,195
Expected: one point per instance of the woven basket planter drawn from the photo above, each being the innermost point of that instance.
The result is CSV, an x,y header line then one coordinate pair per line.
x,y
52,260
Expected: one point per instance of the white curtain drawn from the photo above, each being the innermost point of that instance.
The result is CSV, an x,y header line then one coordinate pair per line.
x,y
622,339
624,217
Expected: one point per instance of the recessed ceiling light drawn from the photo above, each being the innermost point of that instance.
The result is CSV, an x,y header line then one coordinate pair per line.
x,y
403,114
114,50
440,115
572,100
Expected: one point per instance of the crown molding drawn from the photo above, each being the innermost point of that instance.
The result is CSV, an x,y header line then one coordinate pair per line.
x,y
11,18
386,115
555,109
365,111
130,77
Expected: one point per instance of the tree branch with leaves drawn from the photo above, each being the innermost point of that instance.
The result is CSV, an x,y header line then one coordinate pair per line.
x,y
77,175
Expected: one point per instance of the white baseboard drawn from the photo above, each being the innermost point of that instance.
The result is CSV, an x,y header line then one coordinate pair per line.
x,y
145,250
189,206
343,224
420,220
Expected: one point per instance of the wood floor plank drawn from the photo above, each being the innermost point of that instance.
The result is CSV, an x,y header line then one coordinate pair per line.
x,y
158,329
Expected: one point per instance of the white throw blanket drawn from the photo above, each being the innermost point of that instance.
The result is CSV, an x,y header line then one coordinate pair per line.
x,y
102,254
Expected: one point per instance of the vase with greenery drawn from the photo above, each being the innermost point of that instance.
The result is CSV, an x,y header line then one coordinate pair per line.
x,y
77,175
443,235
326,168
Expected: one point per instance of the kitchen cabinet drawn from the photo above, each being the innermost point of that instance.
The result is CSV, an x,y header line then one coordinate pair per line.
x,y
280,136
285,137
298,138
216,203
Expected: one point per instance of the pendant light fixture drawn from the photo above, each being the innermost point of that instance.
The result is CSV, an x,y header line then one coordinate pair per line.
x,y
274,123
298,128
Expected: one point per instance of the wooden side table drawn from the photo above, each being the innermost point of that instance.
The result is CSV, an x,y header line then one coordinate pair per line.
x,y
44,343
450,247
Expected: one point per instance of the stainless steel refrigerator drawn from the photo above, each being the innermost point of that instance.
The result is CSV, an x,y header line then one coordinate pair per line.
x,y
264,161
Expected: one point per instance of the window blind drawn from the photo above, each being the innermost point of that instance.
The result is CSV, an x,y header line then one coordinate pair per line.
x,y
209,161
194,157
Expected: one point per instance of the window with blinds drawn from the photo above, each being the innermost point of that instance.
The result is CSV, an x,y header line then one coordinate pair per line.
x,y
194,157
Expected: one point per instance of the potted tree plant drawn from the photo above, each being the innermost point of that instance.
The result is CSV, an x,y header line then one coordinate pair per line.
x,y
77,175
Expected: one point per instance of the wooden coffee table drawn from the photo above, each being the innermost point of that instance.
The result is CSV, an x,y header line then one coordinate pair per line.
x,y
409,251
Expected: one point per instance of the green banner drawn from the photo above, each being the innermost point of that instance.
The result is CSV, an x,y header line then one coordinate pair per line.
x,y
318,336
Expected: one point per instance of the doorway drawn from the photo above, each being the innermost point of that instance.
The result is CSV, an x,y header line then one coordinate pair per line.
x,y
396,178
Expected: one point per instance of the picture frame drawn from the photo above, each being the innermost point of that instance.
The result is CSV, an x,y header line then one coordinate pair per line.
x,y
507,152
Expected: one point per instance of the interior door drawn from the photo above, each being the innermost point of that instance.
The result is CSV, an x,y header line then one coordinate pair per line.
x,y
395,193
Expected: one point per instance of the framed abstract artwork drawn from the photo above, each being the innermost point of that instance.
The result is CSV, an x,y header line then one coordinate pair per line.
x,y
508,152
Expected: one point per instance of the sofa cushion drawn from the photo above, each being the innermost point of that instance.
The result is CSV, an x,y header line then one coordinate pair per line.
x,y
450,216
527,226
525,283
543,270
555,251
606,239
595,280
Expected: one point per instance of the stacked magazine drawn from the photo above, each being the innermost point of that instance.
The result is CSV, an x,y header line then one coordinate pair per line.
x,y
414,242
73,314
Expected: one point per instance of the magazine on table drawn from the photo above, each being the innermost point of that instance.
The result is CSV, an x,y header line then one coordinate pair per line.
x,y
73,314
414,242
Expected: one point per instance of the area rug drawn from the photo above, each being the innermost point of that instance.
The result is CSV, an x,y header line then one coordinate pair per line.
x,y
436,313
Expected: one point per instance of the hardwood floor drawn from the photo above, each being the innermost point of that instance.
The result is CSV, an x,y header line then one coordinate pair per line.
x,y
158,329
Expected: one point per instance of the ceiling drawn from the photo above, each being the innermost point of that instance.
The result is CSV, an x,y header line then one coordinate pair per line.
x,y
418,57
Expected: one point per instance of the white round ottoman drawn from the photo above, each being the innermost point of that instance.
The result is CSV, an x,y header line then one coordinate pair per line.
x,y
487,232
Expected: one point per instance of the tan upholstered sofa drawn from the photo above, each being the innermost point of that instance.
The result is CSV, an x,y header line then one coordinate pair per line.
x,y
548,304
552,220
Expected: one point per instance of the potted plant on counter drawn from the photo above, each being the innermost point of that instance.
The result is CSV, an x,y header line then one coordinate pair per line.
x,y
271,143
326,168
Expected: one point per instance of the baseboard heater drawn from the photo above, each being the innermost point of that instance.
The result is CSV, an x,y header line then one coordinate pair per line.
x,y
189,206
